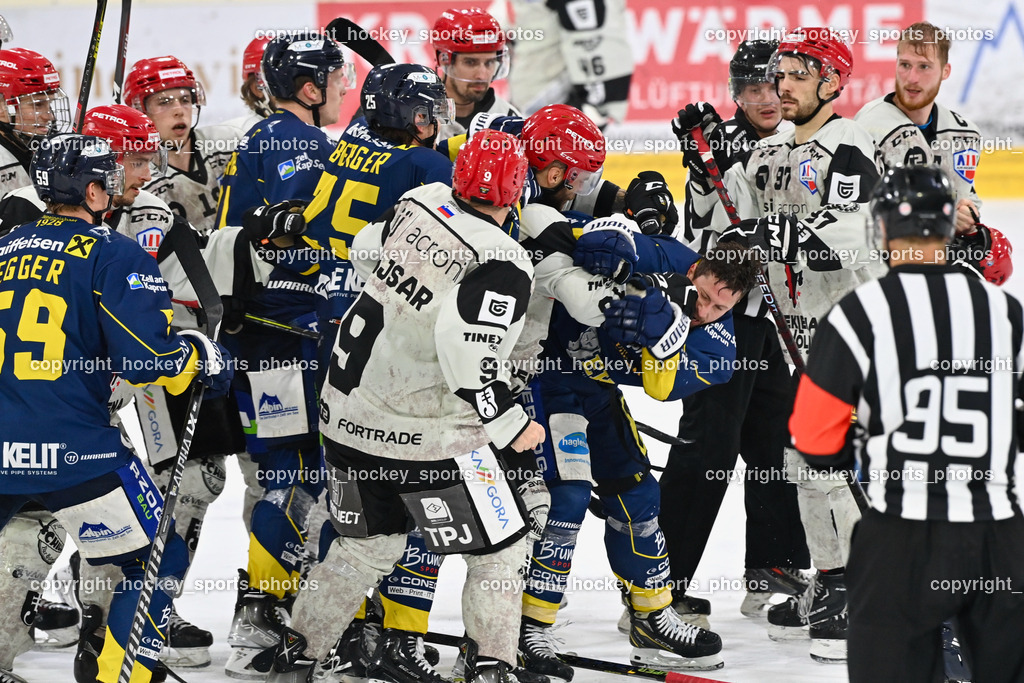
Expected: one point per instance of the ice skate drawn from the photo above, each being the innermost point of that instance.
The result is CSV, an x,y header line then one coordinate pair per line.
x,y
257,625
762,584
662,639
55,625
290,663
537,652
399,658
188,646
828,640
824,598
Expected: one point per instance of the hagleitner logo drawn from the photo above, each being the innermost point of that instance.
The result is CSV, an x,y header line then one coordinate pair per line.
x,y
575,443
20,455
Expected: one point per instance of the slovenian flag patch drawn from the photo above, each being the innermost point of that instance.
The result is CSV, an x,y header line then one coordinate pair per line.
x,y
446,211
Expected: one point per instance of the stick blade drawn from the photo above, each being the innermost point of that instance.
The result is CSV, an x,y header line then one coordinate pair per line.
x,y
357,39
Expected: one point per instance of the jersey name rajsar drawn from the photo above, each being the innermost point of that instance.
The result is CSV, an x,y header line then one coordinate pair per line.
x,y
416,294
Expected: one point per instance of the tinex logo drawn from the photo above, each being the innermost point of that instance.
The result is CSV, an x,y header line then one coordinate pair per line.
x,y
30,456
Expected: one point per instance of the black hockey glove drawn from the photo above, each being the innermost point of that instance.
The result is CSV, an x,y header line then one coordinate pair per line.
x,y
775,237
970,248
215,366
513,125
649,203
607,248
703,115
265,223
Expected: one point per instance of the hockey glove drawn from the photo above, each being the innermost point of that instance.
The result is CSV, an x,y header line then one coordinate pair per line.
x,y
649,203
215,367
774,237
513,125
607,248
537,501
701,115
265,223
648,319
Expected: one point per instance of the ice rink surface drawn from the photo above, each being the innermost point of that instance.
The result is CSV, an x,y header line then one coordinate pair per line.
x,y
587,625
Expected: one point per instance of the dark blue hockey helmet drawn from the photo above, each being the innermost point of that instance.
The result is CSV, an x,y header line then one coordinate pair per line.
x,y
302,53
65,165
403,96
913,201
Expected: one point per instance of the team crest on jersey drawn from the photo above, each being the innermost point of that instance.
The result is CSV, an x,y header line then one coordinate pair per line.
x,y
809,176
286,169
965,163
150,240
80,245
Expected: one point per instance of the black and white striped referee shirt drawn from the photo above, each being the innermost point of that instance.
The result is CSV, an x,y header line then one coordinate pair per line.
x,y
931,360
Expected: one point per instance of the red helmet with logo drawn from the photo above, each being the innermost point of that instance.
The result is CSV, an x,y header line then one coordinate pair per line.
x,y
469,30
563,133
253,57
997,264
491,168
821,44
26,72
127,130
149,76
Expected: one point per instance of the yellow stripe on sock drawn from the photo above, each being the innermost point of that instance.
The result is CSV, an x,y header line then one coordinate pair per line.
x,y
111,659
404,617
543,611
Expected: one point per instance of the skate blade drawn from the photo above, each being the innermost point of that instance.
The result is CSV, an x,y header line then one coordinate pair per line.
x,y
660,659
782,634
56,639
186,657
239,665
828,651
755,605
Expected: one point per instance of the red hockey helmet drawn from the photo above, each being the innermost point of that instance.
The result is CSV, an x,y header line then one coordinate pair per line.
x,y
253,57
563,133
30,87
127,130
821,44
149,76
468,30
491,168
997,265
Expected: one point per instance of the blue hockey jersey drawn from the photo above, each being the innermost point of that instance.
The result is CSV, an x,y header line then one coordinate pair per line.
x,y
78,303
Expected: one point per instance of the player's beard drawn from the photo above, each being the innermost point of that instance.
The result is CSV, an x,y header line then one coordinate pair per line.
x,y
923,100
468,96
803,110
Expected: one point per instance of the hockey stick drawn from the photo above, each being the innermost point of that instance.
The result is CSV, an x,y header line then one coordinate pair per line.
x,y
6,35
356,38
90,65
122,49
284,327
766,291
660,436
449,640
191,260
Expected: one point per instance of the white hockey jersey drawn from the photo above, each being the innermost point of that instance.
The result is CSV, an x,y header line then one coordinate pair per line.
x,y
193,194
950,140
825,183
419,366
12,173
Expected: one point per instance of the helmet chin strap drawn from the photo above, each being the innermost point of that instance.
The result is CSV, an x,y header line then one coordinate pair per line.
x,y
821,103
428,141
97,216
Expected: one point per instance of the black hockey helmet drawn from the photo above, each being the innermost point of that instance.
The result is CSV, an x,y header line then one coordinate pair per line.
x,y
65,165
749,66
403,96
298,54
913,201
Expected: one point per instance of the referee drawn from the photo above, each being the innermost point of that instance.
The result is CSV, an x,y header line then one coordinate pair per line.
x,y
931,358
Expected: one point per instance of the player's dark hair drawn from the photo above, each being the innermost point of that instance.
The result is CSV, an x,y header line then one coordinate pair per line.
x,y
734,265
397,136
923,35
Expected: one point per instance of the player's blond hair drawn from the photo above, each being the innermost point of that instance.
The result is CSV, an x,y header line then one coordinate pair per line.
x,y
923,35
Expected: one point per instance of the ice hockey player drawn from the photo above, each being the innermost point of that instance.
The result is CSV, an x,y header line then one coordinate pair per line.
x,y
34,105
253,91
455,290
812,230
575,53
930,358
281,159
76,270
472,53
672,339
747,415
910,127
167,91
